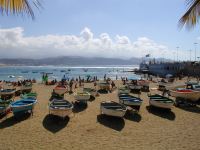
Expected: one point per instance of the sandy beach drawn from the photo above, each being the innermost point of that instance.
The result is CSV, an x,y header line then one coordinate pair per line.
x,y
87,129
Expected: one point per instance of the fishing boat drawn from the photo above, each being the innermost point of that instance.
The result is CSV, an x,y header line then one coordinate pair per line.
x,y
123,90
29,95
4,106
34,71
60,89
85,69
91,91
160,101
189,94
112,108
61,108
130,100
23,106
24,71
11,76
7,92
82,96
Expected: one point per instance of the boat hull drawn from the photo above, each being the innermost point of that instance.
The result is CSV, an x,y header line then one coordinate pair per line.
x,y
61,108
112,112
84,97
60,90
18,109
193,96
60,112
160,104
7,92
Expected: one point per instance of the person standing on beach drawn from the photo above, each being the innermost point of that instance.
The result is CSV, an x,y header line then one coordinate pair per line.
x,y
43,78
95,84
70,86
105,77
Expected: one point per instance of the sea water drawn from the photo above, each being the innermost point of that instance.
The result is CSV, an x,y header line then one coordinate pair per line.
x,y
13,73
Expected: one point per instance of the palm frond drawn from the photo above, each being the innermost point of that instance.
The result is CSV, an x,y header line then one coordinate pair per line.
x,y
191,17
19,7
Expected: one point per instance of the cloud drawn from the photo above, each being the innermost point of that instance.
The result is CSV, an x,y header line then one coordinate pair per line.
x,y
14,44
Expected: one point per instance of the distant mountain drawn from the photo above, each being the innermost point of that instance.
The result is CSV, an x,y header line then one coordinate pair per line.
x,y
69,60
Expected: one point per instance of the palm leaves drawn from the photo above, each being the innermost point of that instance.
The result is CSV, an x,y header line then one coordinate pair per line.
x,y
191,17
18,7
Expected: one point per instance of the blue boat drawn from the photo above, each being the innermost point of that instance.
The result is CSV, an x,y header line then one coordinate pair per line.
x,y
23,106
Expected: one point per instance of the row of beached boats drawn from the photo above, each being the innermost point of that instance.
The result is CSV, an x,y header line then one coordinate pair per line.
x,y
18,107
9,89
62,108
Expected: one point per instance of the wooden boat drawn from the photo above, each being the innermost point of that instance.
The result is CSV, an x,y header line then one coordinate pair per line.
x,y
92,92
104,86
23,106
123,90
29,95
160,101
186,94
82,96
112,108
60,89
130,100
61,108
4,106
7,92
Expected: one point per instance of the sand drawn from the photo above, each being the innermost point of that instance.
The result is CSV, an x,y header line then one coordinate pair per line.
x,y
86,129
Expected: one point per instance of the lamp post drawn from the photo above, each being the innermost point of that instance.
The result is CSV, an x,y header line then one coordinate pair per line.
x,y
195,52
177,52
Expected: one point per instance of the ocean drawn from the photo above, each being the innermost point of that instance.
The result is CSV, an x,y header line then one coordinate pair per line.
x,y
12,73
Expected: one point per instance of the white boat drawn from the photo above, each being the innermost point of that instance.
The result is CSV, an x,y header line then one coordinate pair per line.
x,y
112,108
7,92
60,89
61,108
160,101
130,100
82,96
192,95
123,90
11,76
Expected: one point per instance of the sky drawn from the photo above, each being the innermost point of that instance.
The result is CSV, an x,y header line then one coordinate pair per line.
x,y
100,28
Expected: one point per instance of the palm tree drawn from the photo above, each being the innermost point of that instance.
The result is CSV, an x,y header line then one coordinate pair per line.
x,y
191,17
19,7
